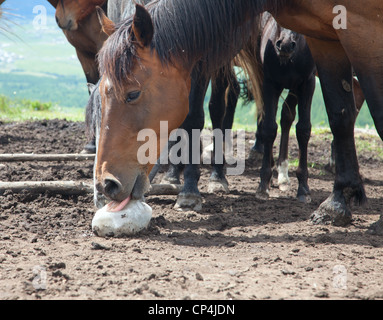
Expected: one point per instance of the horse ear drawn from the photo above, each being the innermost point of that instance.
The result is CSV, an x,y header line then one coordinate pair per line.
x,y
142,26
107,25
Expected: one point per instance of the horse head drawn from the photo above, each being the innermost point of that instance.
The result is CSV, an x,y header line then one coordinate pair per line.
x,y
286,44
70,12
137,90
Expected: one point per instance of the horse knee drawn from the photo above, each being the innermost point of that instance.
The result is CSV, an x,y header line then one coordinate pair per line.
x,y
341,124
269,132
303,130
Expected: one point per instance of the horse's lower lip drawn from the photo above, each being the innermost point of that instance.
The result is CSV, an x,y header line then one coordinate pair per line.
x,y
115,206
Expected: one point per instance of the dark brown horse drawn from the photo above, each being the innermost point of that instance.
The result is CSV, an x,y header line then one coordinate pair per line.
x,y
146,66
286,64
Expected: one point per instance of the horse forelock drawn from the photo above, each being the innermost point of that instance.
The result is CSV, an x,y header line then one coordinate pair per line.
x,y
117,57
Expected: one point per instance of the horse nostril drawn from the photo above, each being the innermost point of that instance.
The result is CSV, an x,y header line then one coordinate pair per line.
x,y
112,187
69,25
278,44
293,45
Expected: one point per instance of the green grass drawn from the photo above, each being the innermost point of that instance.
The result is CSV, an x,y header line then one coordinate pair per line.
x,y
23,110
368,144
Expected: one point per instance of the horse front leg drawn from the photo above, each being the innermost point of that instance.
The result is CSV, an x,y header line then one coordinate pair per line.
x,y
359,101
303,132
269,132
335,74
190,198
258,149
287,117
221,109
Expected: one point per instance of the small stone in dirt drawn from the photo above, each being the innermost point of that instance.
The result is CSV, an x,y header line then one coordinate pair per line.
x,y
322,294
152,276
97,246
287,272
230,244
309,269
58,273
198,277
58,265
156,293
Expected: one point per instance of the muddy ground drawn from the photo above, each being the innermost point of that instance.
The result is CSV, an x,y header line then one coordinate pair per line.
x,y
237,247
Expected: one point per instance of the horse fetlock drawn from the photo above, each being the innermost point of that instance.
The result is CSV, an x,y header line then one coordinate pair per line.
x,y
283,175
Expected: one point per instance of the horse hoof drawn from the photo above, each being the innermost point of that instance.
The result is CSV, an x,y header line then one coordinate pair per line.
x,y
262,195
170,180
376,228
218,186
284,187
89,149
332,211
188,202
304,198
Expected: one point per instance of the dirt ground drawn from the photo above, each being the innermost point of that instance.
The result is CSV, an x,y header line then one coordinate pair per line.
x,y
237,247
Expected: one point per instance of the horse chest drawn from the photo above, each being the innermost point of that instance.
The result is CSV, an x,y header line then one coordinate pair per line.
x,y
289,74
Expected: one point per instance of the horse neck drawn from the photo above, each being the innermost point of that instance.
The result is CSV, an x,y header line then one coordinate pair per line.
x,y
93,37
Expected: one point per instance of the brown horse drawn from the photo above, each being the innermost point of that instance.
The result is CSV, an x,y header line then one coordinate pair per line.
x,y
146,66
79,22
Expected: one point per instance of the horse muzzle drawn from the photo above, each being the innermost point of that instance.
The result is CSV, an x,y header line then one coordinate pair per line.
x,y
118,190
66,23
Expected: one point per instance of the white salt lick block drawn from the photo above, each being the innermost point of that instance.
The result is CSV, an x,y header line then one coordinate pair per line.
x,y
133,218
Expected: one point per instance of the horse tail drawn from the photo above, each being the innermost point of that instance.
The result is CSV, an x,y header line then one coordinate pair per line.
x,y
246,95
250,61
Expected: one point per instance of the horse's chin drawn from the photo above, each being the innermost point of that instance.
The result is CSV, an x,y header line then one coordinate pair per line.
x,y
284,59
141,186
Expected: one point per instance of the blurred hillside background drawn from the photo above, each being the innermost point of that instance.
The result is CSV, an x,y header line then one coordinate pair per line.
x,y
38,63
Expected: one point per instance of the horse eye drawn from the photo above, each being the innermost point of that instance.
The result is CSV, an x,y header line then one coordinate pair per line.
x,y
131,96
